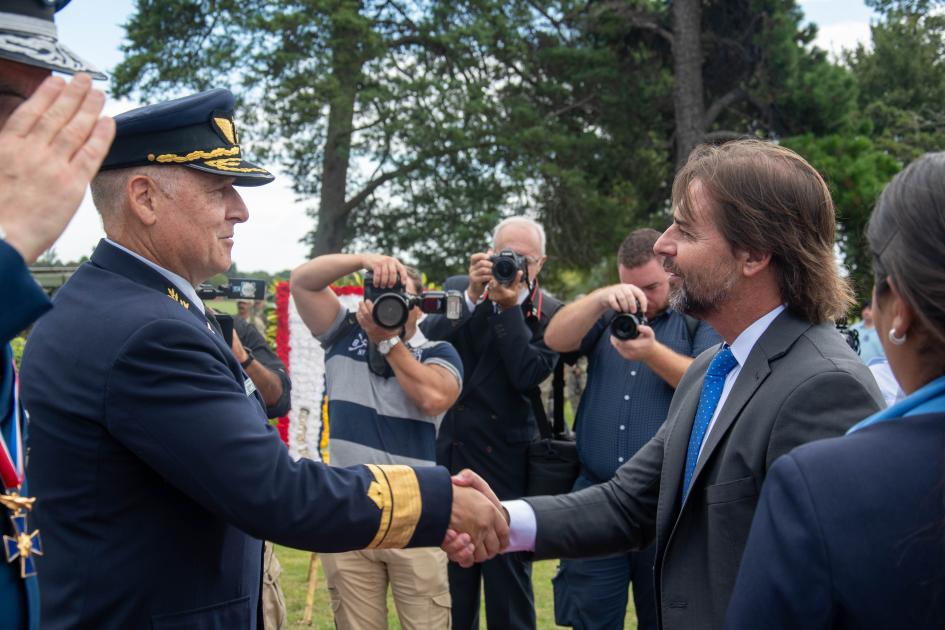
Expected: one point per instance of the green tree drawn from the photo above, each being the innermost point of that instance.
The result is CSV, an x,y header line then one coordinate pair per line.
x,y
899,83
364,104
901,77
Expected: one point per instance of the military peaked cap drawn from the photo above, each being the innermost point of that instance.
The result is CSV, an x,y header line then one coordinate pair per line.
x,y
195,131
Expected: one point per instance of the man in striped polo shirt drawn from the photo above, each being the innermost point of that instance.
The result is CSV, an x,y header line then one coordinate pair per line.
x,y
385,414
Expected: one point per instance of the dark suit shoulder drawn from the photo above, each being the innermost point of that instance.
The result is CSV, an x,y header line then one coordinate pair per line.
x,y
848,533
109,297
550,304
874,449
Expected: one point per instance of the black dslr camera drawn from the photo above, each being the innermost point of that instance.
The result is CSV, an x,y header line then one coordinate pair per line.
x,y
506,264
392,304
625,325
234,289
850,335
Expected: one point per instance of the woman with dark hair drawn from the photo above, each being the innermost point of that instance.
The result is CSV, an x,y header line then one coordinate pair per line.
x,y
850,531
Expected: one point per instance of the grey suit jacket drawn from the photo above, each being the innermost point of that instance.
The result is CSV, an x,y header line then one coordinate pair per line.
x,y
800,383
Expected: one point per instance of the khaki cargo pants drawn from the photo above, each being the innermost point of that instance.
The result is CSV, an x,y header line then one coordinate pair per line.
x,y
357,583
273,600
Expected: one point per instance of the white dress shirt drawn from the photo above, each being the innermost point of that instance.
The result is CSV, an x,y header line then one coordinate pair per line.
x,y
523,527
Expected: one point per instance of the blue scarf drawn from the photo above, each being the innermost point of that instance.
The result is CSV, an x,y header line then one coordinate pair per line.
x,y
930,398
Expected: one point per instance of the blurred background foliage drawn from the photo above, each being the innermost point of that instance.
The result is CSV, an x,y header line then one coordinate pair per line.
x,y
412,127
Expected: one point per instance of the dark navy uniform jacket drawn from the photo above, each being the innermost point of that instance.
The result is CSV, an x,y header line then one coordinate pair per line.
x,y
850,534
157,475
23,302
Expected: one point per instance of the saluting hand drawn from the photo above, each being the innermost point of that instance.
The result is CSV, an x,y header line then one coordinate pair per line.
x,y
50,148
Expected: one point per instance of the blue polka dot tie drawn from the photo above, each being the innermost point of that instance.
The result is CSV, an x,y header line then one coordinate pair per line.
x,y
721,365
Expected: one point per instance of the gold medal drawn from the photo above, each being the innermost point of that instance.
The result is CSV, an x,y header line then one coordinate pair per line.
x,y
23,545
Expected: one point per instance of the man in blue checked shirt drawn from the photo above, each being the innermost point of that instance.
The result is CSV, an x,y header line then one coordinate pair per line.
x,y
630,384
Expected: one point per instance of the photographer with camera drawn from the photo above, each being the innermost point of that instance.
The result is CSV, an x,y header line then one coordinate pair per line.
x,y
499,336
637,350
388,388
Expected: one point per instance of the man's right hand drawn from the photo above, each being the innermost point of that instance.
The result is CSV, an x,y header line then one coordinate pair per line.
x,y
621,298
386,269
50,148
480,273
476,518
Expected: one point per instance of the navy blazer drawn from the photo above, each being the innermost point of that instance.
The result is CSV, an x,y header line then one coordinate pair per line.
x,y
24,302
157,476
850,533
504,358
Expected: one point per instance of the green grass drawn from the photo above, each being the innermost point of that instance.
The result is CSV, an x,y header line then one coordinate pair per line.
x,y
295,579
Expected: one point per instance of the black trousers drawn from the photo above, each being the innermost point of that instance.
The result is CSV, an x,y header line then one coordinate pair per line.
x,y
510,602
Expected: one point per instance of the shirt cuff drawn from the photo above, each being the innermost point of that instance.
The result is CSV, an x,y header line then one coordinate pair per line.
x,y
469,303
522,526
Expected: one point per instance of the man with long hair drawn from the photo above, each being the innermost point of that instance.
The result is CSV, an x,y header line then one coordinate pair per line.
x,y
750,251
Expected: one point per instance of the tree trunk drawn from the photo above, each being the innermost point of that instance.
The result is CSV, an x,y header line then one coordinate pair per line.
x,y
332,230
688,99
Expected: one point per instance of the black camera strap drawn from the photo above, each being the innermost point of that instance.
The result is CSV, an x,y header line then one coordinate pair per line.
x,y
555,429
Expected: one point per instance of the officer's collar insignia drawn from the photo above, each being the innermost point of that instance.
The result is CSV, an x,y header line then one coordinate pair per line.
x,y
174,295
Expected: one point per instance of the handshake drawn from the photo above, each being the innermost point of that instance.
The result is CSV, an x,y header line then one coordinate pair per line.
x,y
479,525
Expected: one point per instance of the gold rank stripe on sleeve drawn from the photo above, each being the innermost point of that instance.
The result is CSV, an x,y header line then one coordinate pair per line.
x,y
396,492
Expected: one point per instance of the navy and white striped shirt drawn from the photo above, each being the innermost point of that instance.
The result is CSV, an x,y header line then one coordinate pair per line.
x,y
371,419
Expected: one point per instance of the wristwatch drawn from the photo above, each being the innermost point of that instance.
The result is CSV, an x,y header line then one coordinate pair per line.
x,y
387,345
249,357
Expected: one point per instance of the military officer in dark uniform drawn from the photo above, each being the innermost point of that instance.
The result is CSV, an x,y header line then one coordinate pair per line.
x,y
45,166
156,471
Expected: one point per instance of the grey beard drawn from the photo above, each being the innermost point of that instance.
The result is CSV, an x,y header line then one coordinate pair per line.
x,y
699,307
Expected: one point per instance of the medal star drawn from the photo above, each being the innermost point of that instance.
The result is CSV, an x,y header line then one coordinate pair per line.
x,y
23,546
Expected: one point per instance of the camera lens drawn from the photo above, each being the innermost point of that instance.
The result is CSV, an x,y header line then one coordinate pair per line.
x,y
504,270
390,311
624,326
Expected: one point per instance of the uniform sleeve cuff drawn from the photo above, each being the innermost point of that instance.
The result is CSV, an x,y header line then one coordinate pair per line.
x,y
436,489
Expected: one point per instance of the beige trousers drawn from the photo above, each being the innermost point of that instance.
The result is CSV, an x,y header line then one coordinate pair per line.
x,y
273,600
357,582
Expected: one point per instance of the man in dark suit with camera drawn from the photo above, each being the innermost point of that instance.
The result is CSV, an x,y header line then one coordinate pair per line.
x,y
500,340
